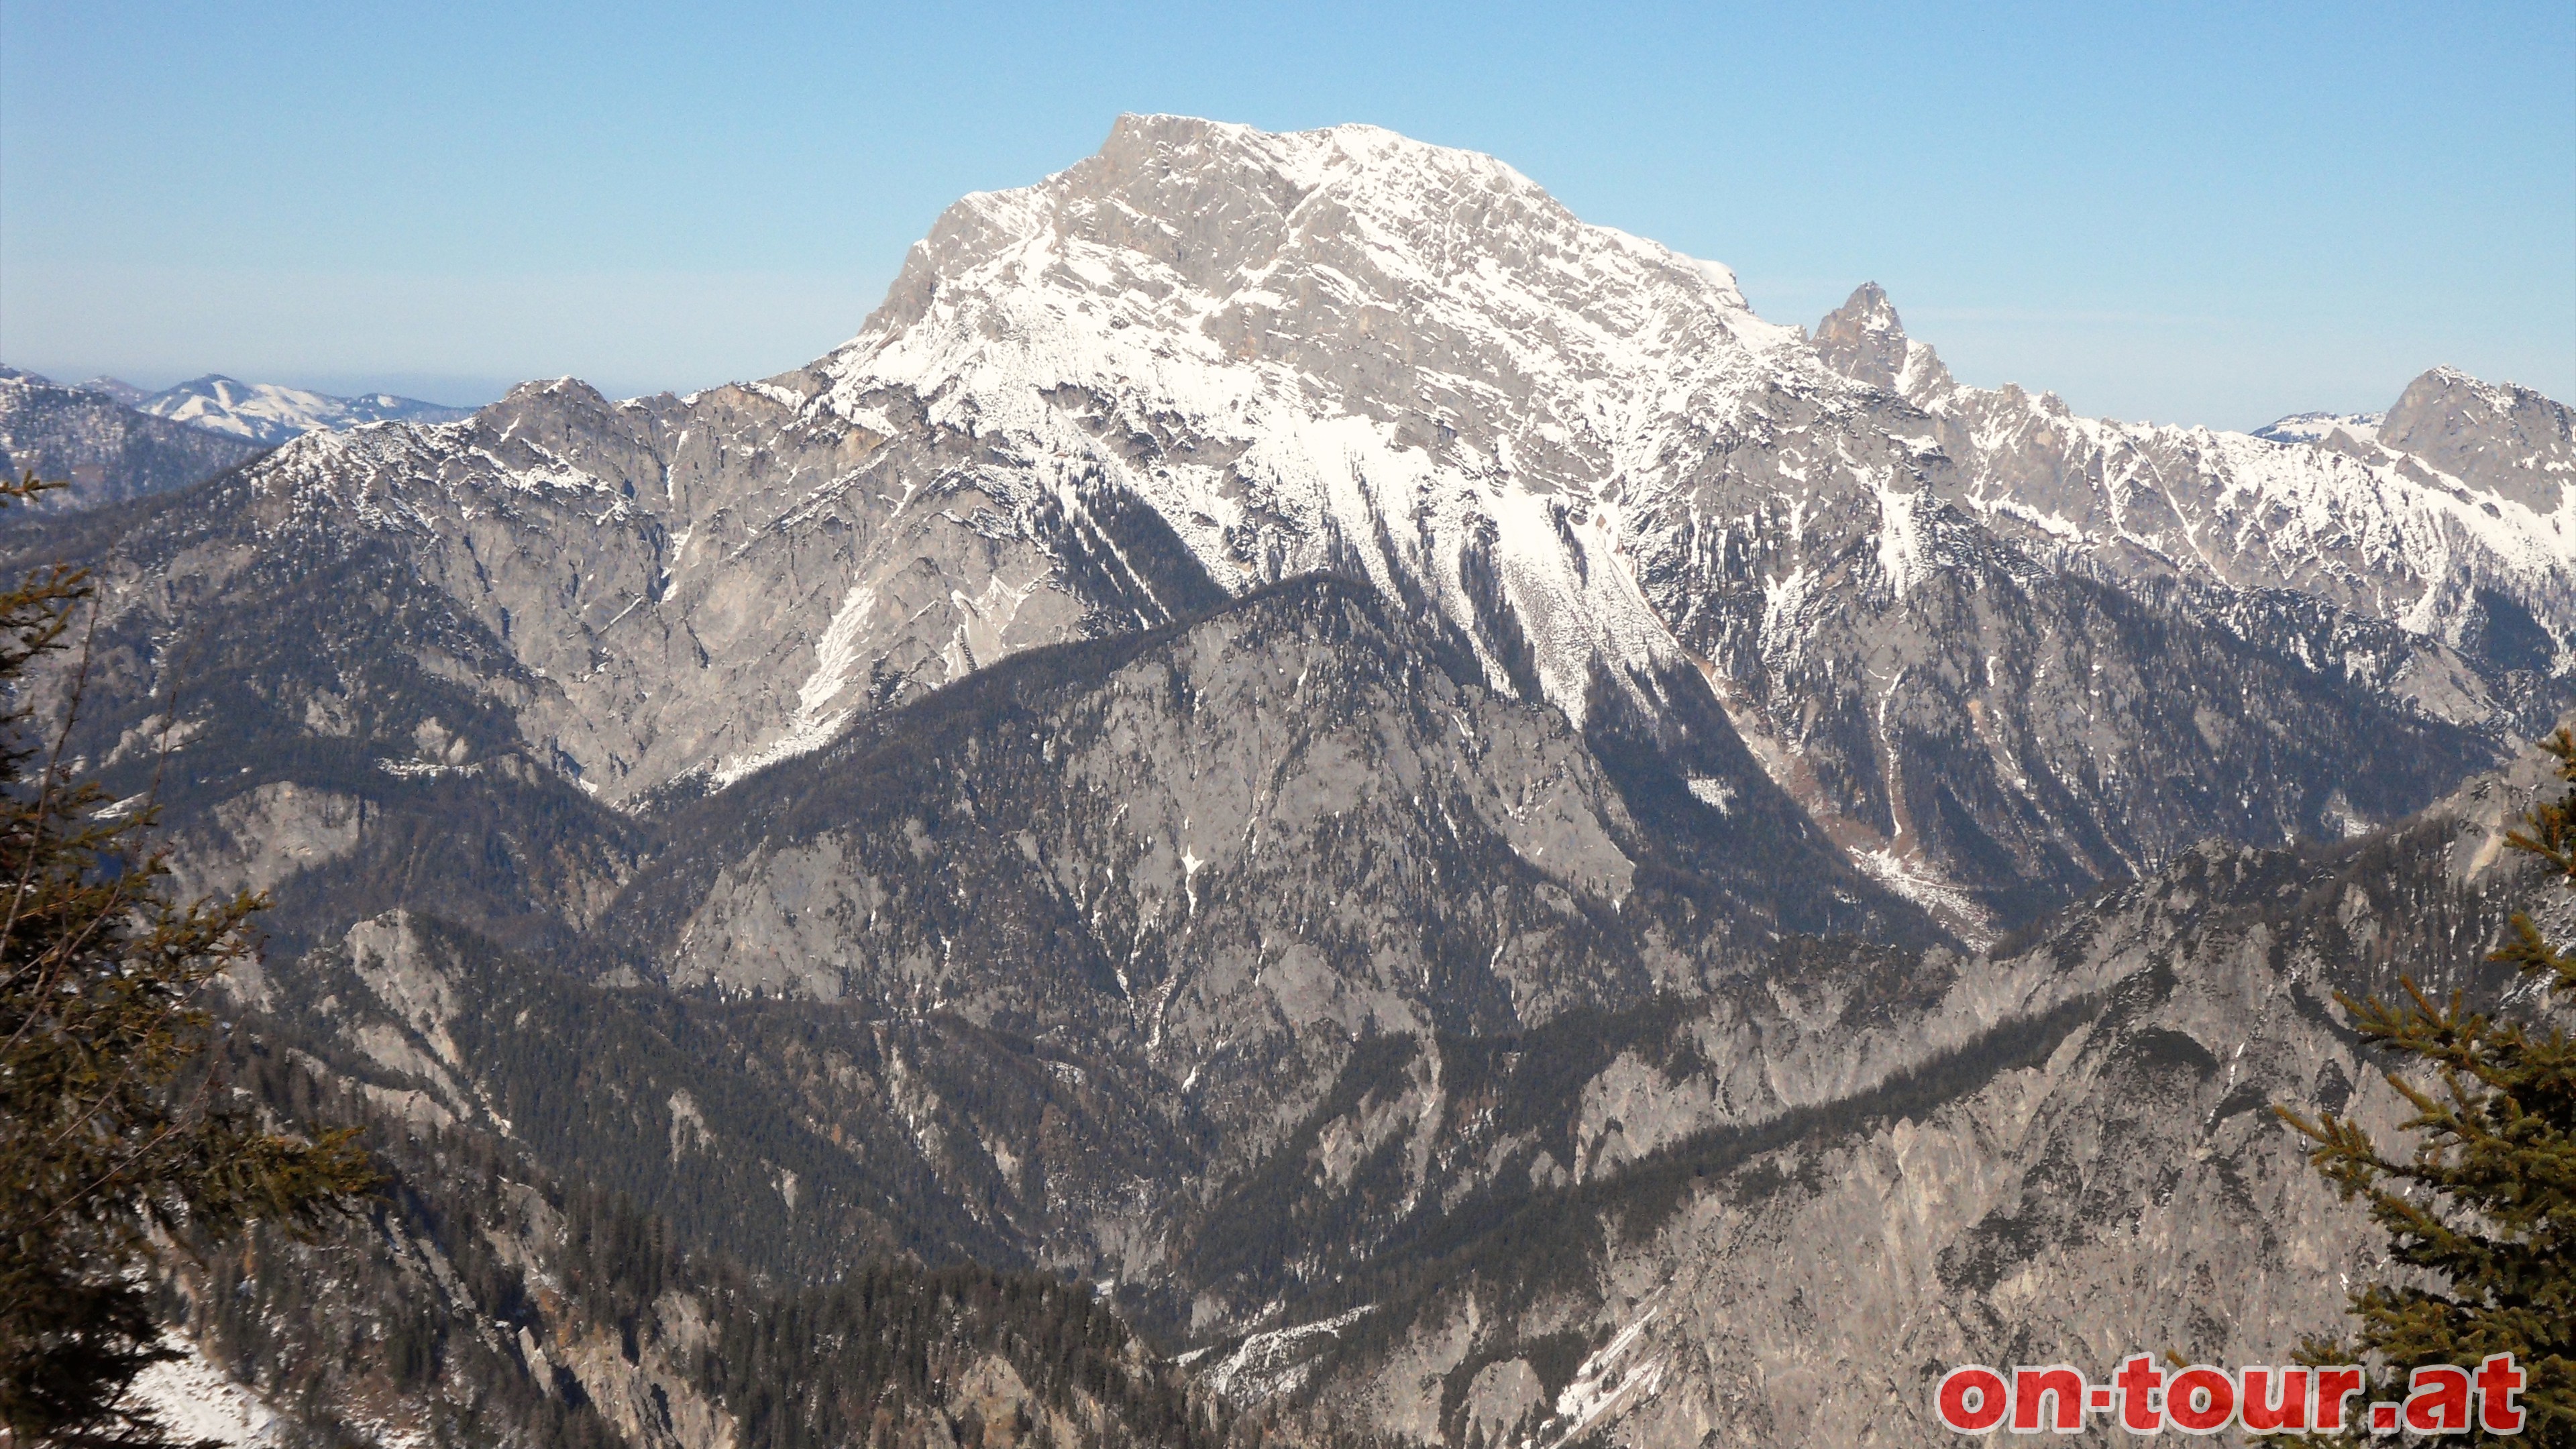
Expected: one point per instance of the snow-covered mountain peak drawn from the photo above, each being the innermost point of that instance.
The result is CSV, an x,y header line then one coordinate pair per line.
x,y
267,413
1309,160
1819,574
1345,349
1336,348
1253,240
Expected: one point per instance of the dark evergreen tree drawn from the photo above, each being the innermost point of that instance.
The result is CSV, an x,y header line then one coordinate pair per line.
x,y
111,1132
2483,1210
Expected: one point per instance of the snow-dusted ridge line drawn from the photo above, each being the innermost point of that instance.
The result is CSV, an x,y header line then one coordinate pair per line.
x,y
1344,350
267,412
2321,504
2317,427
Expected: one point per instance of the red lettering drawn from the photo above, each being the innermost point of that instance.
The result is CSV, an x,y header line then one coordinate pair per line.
x,y
2437,1399
2498,1382
2335,1388
2263,1411
2201,1400
2139,1378
2059,1381
1972,1399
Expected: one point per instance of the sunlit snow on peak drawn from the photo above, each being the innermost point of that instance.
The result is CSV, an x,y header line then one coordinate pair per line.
x,y
1398,356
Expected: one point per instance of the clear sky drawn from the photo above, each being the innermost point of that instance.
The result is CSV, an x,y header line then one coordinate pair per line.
x,y
2191,214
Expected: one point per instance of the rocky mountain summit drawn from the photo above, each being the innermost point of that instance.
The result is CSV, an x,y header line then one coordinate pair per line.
x,y
1486,844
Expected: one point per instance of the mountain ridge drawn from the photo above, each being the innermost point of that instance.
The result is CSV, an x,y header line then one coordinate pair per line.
x,y
102,450
270,413
1655,559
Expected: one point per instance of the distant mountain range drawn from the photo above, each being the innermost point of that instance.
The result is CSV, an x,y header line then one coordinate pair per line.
x,y
105,451
2317,427
266,412
117,388
111,441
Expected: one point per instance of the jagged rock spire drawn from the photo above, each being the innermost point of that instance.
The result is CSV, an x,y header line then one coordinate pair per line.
x,y
1864,340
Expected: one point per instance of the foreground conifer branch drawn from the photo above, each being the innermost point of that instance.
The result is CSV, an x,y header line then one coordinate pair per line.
x,y
2484,1208
111,1134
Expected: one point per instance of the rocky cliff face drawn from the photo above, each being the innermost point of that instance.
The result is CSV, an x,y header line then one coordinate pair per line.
x,y
1587,456
1759,1205
1164,885
684,590
2053,1156
2378,524
481,1300
2441,518
2499,439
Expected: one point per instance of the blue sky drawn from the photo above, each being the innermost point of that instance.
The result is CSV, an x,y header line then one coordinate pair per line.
x,y
2192,214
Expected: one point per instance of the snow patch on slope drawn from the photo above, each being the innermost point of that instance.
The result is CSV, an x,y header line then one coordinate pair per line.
x,y
1268,1365
1916,880
196,1400
1609,1382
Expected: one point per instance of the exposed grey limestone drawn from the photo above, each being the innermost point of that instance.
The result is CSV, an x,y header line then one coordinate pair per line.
x,y
258,839
2113,1182
1214,868
1503,1401
406,977
2359,523
2501,439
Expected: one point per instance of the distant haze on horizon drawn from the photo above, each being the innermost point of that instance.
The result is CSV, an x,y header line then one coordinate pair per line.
x,y
2189,215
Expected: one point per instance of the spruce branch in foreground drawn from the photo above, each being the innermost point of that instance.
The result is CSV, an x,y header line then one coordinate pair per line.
x,y
2483,1210
111,1133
